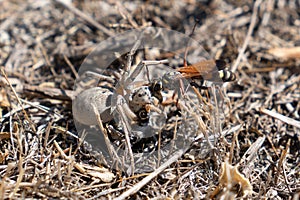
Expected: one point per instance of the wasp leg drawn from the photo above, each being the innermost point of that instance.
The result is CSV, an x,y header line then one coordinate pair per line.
x,y
201,87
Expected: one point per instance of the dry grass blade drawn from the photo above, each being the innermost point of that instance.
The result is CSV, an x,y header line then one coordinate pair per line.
x,y
43,45
62,153
250,153
249,33
85,17
20,177
111,149
18,99
285,53
281,117
152,175
281,165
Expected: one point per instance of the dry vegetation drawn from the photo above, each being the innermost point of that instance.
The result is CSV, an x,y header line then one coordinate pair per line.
x,y
43,44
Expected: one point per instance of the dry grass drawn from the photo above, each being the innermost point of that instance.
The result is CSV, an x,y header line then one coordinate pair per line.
x,y
256,150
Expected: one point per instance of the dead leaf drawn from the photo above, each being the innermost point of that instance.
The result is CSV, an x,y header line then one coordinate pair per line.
x,y
232,184
98,172
104,176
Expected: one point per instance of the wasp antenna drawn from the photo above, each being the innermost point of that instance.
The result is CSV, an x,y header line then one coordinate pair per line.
x,y
186,47
194,27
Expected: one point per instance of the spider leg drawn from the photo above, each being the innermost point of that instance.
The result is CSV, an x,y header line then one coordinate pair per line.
x,y
140,67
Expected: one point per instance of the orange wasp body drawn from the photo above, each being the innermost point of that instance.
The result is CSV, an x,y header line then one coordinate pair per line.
x,y
208,70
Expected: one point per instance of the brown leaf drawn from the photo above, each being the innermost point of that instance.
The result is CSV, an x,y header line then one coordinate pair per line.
x,y
231,184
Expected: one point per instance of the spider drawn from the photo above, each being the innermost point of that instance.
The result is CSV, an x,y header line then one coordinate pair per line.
x,y
135,101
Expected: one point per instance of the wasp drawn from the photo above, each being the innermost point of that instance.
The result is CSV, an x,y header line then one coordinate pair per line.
x,y
211,70
206,70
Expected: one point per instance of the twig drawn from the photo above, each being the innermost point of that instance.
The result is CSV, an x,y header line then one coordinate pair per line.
x,y
282,118
249,154
215,112
20,164
249,33
123,11
280,165
106,192
71,66
172,143
18,99
202,126
112,152
152,175
286,53
232,147
46,56
68,158
85,17
20,177
53,93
